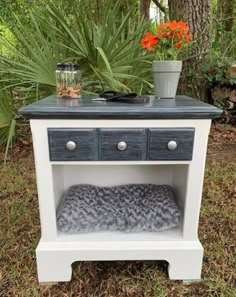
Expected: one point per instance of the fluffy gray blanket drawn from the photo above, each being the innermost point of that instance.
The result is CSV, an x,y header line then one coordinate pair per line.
x,y
128,208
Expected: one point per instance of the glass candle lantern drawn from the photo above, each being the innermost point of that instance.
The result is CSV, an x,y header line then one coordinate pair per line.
x,y
68,80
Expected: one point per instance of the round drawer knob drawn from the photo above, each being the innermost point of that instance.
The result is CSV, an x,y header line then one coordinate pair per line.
x,y
172,145
71,145
122,145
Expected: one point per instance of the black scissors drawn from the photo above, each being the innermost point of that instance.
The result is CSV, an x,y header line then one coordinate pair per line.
x,y
122,97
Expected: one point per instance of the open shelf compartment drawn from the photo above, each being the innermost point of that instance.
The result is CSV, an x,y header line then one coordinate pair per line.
x,y
175,175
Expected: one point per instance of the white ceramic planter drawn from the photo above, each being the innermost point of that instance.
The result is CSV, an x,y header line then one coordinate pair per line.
x,y
166,78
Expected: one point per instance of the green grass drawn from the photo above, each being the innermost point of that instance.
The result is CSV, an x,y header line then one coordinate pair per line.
x,y
20,232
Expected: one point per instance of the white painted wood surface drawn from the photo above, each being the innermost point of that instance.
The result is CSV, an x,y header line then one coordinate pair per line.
x,y
180,246
54,259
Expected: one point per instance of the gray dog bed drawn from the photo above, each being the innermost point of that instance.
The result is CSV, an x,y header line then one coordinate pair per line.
x,y
128,208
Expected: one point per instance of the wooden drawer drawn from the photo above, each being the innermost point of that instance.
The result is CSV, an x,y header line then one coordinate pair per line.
x,y
67,144
170,144
122,144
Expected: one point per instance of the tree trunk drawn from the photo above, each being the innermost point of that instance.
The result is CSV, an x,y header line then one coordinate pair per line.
x,y
197,14
144,7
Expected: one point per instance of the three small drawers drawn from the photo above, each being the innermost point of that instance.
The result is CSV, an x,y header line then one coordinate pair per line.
x,y
73,144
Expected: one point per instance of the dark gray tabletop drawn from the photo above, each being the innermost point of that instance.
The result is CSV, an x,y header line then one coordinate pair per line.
x,y
182,107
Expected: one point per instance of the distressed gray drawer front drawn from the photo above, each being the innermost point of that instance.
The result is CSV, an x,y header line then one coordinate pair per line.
x,y
72,144
122,144
171,144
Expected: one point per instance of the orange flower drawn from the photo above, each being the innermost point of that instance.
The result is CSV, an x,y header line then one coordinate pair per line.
x,y
178,44
184,27
162,30
149,41
168,34
170,37
189,37
173,25
178,34
171,29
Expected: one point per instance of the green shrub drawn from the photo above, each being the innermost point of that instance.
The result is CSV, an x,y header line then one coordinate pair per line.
x,y
108,51
217,70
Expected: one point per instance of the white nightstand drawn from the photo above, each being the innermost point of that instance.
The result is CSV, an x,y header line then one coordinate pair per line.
x,y
106,144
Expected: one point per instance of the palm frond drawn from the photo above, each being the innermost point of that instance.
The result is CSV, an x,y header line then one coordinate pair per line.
x,y
110,47
33,58
7,122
